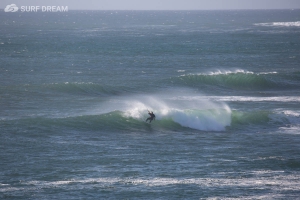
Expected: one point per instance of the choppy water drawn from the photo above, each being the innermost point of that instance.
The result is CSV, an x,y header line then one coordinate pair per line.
x,y
75,88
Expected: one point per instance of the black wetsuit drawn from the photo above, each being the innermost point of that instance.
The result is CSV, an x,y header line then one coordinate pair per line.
x,y
152,116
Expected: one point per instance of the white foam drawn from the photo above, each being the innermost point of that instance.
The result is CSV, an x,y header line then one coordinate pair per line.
x,y
277,181
220,72
289,182
294,130
291,113
280,24
267,73
293,116
227,72
223,72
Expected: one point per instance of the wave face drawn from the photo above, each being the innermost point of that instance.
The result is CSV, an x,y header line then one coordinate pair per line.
x,y
241,79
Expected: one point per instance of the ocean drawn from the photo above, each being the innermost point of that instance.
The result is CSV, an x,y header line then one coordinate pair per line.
x,y
76,87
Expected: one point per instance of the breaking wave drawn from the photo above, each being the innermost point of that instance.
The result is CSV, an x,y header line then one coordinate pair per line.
x,y
128,113
214,118
175,115
206,120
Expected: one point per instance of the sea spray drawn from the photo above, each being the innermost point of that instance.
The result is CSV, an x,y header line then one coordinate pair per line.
x,y
207,120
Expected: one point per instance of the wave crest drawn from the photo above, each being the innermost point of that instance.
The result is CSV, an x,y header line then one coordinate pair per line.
x,y
235,79
240,79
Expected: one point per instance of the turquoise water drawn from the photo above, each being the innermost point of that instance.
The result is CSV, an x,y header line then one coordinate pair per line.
x,y
76,86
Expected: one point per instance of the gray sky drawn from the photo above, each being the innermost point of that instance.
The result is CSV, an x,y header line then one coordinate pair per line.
x,y
159,4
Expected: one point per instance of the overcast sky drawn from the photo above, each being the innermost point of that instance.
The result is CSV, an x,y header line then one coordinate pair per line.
x,y
159,4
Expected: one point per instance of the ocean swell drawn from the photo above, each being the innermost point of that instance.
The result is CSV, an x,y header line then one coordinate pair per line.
x,y
240,79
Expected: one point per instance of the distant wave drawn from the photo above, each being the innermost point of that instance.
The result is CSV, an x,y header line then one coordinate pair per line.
x,y
240,79
270,118
282,24
242,98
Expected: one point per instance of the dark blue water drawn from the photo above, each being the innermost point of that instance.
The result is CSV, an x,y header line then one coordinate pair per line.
x,y
75,88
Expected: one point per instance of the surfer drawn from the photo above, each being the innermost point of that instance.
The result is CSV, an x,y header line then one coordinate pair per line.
x,y
152,116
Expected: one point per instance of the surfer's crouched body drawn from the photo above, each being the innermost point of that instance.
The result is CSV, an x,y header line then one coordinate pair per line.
x,y
152,116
